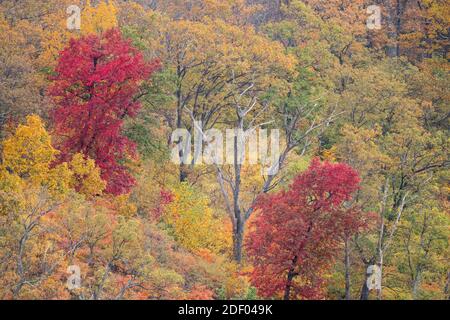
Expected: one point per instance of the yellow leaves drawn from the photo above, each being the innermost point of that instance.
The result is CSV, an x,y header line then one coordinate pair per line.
x,y
8,181
133,14
216,42
192,221
8,35
232,11
235,285
58,180
52,32
128,236
100,18
11,187
329,154
86,176
124,207
150,181
359,147
246,50
28,158
29,152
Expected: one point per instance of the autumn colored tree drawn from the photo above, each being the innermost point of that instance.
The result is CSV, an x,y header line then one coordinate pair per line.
x,y
296,106
19,83
51,217
192,222
32,37
31,188
234,11
96,87
205,60
100,18
396,144
297,232
375,102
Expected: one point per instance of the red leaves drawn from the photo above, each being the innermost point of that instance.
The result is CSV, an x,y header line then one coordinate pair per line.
x,y
165,197
95,88
298,231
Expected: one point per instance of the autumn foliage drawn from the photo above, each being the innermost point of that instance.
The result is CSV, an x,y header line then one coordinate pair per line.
x,y
297,232
95,88
90,178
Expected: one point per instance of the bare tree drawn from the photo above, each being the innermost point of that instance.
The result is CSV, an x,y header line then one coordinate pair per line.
x,y
247,110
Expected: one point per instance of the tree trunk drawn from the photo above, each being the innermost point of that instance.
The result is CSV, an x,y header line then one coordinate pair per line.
x,y
287,290
365,289
416,285
183,173
380,290
179,125
347,269
394,20
447,287
238,238
290,277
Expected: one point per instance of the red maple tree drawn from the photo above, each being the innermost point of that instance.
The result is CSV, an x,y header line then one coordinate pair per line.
x,y
297,232
96,86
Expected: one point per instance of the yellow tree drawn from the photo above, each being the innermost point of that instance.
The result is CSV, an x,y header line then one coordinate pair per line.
x,y
192,221
19,83
232,11
205,61
97,19
47,25
31,188
31,37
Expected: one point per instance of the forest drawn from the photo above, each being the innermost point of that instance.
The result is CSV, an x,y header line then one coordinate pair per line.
x,y
224,149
